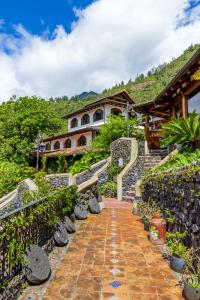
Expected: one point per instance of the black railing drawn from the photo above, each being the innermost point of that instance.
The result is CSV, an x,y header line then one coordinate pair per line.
x,y
16,237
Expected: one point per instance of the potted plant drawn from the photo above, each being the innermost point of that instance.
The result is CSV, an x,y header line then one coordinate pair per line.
x,y
177,250
146,221
153,233
170,220
191,276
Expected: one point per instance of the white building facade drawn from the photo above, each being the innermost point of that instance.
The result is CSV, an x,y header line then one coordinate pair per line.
x,y
85,123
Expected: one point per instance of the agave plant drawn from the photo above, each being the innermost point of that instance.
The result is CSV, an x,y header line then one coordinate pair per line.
x,y
183,131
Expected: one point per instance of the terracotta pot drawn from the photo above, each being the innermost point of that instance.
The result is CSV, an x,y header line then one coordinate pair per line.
x,y
160,225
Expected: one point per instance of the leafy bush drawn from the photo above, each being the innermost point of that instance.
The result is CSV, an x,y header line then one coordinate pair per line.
x,y
175,244
193,267
87,161
11,174
109,189
185,157
115,128
183,131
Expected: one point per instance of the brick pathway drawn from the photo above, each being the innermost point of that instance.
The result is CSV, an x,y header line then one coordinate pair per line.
x,y
111,258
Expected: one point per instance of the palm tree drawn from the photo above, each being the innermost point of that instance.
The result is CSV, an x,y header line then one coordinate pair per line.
x,y
183,131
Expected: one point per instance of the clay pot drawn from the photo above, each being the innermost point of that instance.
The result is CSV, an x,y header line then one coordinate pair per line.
x,y
159,223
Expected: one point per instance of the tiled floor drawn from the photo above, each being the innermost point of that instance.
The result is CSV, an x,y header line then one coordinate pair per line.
x,y
111,258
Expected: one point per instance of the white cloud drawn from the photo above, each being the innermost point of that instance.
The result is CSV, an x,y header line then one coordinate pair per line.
x,y
111,41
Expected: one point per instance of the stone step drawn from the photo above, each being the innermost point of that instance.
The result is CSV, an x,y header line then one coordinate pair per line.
x,y
149,157
130,193
128,199
149,165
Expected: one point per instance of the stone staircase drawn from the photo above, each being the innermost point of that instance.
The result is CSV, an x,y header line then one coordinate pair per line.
x,y
148,162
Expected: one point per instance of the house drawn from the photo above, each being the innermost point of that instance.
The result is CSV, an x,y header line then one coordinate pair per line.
x,y
84,124
180,97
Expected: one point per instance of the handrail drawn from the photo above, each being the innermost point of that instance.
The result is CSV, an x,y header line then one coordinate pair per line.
x,y
21,208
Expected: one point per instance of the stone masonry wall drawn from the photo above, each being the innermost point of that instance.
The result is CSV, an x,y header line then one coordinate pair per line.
x,y
135,172
84,176
179,191
121,152
58,180
133,175
88,194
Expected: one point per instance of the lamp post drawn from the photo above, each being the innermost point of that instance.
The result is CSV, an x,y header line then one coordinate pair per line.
x,y
40,147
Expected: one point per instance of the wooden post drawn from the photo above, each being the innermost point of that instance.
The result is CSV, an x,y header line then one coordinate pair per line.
x,y
173,112
184,106
146,130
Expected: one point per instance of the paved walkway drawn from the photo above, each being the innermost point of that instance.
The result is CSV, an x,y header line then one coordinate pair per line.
x,y
111,258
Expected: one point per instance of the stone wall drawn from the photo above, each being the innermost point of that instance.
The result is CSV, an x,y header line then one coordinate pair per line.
x,y
103,177
86,175
133,175
121,152
91,192
59,180
179,191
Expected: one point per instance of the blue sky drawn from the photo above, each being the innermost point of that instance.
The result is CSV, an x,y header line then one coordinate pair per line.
x,y
37,15
64,47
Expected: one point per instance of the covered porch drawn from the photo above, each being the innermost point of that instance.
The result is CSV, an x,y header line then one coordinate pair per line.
x,y
180,97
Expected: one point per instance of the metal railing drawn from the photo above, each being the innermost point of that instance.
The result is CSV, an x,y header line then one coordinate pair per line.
x,y
36,231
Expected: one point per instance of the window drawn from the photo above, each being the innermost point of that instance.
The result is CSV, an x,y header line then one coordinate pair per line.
x,y
85,119
48,147
194,103
98,115
82,141
116,111
57,145
68,143
74,123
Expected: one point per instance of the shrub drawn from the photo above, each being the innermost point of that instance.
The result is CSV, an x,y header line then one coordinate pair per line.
x,y
115,128
87,161
109,189
11,174
185,157
183,131
35,220
175,244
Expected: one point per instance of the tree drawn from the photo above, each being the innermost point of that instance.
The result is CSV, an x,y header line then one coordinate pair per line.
x,y
115,128
21,120
183,131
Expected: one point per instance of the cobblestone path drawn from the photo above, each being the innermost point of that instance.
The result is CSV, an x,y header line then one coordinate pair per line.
x,y
111,258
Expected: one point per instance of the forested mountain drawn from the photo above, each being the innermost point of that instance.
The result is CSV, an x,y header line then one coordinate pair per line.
x,y
142,89
146,87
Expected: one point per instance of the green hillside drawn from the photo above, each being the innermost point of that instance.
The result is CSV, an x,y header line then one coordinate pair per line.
x,y
146,88
143,88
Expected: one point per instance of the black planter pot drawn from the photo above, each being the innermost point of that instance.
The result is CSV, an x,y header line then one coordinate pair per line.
x,y
190,292
177,264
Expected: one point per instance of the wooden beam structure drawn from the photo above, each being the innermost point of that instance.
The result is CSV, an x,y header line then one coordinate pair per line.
x,y
173,101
